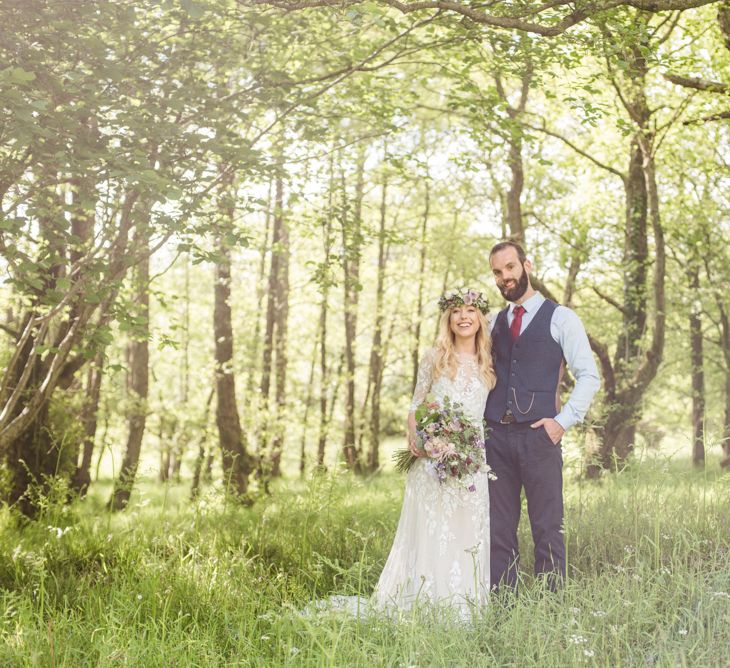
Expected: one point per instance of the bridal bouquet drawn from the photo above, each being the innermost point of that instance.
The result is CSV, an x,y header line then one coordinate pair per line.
x,y
449,439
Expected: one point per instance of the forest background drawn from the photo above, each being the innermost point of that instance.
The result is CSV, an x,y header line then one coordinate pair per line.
x,y
225,226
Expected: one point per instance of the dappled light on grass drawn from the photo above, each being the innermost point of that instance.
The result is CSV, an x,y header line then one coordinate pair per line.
x,y
218,585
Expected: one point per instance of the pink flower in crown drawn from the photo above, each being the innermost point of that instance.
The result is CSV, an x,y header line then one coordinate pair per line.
x,y
432,405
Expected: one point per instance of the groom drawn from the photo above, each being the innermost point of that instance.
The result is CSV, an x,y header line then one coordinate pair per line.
x,y
530,340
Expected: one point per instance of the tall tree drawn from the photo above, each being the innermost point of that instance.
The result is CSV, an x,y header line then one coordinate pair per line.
x,y
351,226
513,135
137,392
324,280
696,362
415,351
376,351
236,460
281,324
89,419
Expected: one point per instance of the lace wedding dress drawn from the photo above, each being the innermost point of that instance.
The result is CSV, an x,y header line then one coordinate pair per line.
x,y
440,553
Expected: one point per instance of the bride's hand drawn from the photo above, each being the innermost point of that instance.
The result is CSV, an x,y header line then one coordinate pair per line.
x,y
411,430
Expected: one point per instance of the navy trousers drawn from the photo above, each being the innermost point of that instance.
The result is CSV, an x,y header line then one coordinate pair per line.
x,y
524,457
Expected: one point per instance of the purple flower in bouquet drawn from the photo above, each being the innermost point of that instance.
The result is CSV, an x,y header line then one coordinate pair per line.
x,y
449,439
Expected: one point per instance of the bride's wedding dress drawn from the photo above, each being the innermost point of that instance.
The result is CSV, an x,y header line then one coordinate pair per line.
x,y
440,553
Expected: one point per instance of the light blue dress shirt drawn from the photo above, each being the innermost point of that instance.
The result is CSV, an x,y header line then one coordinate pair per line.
x,y
568,332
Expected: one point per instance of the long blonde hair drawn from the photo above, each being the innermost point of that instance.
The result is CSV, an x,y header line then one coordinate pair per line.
x,y
445,353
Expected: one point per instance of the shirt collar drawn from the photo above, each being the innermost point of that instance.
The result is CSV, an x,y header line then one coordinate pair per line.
x,y
530,305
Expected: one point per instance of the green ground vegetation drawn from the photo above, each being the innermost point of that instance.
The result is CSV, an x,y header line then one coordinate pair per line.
x,y
212,584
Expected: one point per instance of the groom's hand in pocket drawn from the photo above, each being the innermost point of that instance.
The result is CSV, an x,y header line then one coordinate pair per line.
x,y
552,427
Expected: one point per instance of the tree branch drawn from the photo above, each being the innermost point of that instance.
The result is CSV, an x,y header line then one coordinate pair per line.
x,y
510,19
697,83
609,300
579,150
706,119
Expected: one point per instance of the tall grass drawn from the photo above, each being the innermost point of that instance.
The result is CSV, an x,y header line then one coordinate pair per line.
x,y
167,584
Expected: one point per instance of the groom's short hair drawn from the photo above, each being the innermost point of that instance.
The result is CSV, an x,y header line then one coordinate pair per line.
x,y
503,245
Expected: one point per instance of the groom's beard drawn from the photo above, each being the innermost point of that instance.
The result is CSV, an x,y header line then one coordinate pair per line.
x,y
516,290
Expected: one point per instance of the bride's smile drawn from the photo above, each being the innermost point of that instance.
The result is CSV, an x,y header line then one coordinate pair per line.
x,y
464,321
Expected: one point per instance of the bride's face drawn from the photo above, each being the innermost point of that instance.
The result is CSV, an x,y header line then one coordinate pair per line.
x,y
464,321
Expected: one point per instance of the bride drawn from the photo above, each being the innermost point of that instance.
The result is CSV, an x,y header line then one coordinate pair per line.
x,y
440,553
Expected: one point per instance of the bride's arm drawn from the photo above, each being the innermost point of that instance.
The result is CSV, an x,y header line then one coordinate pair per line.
x,y
412,435
424,378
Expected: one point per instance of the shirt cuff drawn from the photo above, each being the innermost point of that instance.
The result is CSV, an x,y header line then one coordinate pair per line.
x,y
564,420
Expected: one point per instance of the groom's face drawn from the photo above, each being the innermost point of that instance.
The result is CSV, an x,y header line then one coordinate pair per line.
x,y
510,274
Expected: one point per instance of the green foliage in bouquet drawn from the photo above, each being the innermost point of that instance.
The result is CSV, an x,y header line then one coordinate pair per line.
x,y
448,437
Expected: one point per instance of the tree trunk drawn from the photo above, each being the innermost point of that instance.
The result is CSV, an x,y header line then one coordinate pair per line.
x,y
635,364
260,292
698,374
268,350
138,392
164,444
323,383
307,407
725,342
514,156
725,463
376,352
281,240
180,435
200,459
236,464
421,281
724,339
634,264
27,454
351,243
325,281
82,476
619,432
517,182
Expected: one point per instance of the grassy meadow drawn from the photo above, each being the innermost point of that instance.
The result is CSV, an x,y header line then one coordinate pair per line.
x,y
170,584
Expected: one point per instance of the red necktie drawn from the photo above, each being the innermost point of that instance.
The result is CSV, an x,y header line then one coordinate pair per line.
x,y
514,328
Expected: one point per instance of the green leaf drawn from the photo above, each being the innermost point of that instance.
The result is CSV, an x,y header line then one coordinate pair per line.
x,y
195,10
63,284
20,76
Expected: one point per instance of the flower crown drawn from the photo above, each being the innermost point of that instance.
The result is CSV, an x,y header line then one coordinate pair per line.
x,y
463,297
